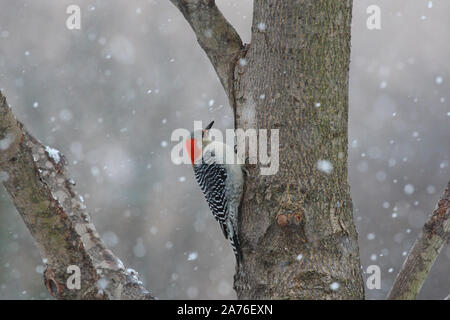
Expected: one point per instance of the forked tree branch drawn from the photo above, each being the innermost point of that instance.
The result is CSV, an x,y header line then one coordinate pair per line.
x,y
34,176
435,234
216,36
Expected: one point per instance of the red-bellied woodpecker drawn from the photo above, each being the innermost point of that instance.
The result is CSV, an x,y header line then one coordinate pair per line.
x,y
222,182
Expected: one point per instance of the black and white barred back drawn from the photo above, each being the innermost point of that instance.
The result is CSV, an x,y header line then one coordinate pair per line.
x,y
222,185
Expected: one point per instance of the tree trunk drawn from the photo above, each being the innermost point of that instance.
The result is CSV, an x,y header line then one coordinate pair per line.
x,y
296,227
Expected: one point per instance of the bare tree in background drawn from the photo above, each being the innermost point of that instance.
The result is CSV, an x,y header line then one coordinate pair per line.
x,y
296,226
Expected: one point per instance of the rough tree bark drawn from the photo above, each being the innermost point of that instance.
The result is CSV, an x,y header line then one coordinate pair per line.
x,y
300,63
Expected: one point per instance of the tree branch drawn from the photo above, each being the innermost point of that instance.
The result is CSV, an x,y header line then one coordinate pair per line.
x,y
35,178
215,35
415,269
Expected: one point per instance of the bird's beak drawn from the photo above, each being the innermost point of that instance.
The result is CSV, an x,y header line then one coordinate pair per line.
x,y
206,130
209,126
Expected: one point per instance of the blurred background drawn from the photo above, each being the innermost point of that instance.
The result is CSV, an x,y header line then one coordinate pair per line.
x,y
108,97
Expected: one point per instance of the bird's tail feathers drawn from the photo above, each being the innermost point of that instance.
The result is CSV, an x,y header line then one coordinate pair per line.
x,y
236,247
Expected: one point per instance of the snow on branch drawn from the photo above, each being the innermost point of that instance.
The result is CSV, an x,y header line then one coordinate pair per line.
x,y
216,36
435,234
34,176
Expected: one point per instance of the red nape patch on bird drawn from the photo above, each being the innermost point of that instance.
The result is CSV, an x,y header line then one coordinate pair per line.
x,y
193,150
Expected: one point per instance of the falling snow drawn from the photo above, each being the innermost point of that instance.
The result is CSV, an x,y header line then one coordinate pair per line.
x,y
325,166
6,141
139,249
334,286
431,189
261,26
192,256
102,284
408,189
4,176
